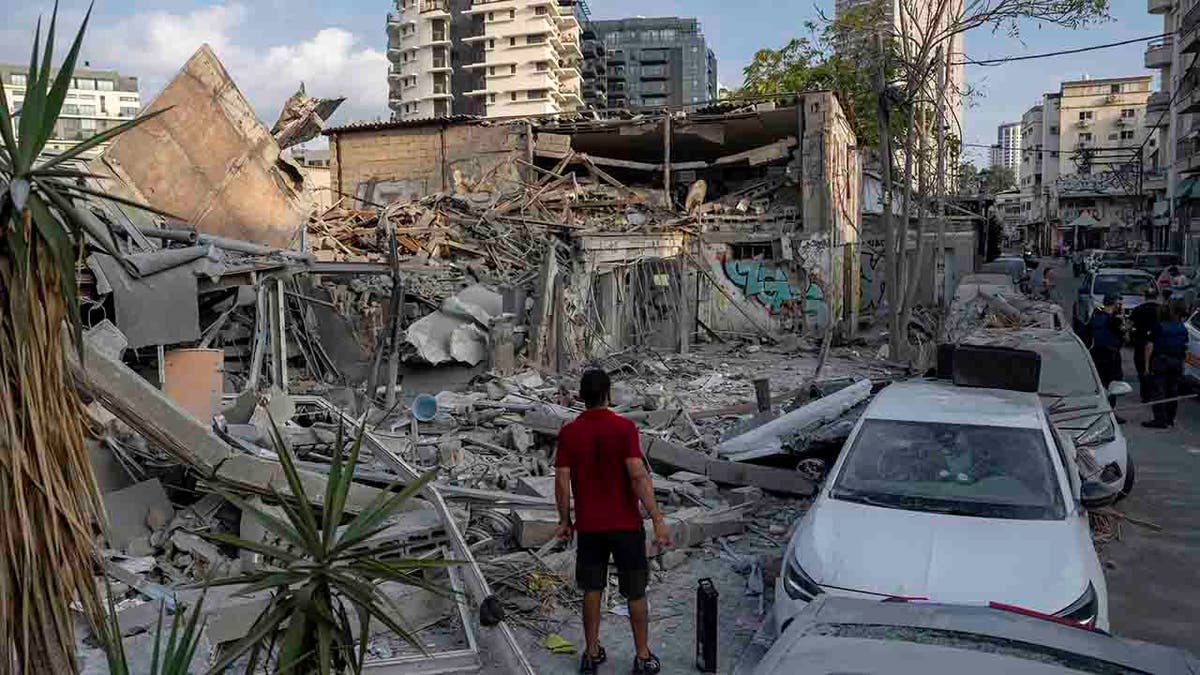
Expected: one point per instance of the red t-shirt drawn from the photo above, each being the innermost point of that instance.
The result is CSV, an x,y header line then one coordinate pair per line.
x,y
594,447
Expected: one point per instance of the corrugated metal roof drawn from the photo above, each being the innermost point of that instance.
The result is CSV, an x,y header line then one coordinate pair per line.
x,y
400,124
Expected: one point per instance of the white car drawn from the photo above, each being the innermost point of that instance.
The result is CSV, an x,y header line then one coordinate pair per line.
x,y
1191,364
955,495
1078,405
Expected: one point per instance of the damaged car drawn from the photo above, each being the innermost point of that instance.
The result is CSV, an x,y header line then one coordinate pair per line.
x,y
954,494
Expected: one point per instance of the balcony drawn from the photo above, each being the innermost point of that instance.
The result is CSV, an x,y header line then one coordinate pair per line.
x,y
1159,6
1158,54
1083,124
1158,102
435,7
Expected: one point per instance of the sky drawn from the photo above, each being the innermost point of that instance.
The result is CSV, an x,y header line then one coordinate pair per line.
x,y
337,47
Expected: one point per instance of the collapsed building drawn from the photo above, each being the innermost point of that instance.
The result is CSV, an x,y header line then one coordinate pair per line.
x,y
482,261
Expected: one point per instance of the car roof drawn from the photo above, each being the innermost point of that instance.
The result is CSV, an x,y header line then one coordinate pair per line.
x,y
940,401
968,630
1122,271
1017,337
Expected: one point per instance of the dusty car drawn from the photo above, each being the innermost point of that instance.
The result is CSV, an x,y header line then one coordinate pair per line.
x,y
845,635
1078,404
1013,268
952,494
1129,284
1154,263
1191,363
1110,259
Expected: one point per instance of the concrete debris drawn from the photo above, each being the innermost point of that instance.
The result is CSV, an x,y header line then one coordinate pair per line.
x,y
135,512
770,438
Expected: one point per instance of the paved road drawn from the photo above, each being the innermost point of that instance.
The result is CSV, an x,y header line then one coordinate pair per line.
x,y
1154,576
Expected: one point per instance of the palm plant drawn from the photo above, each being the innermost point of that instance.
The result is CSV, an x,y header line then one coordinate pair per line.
x,y
173,658
322,571
48,493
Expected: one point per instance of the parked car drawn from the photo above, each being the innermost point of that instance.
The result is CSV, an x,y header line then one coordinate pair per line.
x,y
1079,406
951,494
847,635
974,284
1130,284
1012,267
1154,263
1191,364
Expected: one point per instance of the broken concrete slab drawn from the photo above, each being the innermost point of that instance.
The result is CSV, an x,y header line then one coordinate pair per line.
x,y
534,528
770,438
109,339
129,508
745,495
261,475
723,472
536,486
147,410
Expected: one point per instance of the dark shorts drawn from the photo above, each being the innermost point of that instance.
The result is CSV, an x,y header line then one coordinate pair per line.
x,y
626,548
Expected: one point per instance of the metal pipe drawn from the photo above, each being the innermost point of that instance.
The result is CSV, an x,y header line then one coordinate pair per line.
x,y
192,237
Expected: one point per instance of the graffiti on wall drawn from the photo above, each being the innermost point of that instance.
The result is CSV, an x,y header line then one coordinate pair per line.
x,y
771,286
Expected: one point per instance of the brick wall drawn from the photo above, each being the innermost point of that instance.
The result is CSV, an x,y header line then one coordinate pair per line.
x,y
407,163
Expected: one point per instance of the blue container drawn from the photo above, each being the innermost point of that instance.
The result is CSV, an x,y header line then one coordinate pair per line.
x,y
424,408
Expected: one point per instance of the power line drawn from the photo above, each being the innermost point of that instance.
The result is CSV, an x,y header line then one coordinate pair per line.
x,y
1064,52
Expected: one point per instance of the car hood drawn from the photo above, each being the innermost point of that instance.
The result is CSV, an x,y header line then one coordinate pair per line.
x,y
1038,565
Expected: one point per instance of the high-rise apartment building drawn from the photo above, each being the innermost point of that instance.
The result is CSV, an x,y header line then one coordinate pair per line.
x,y
97,101
1007,150
493,58
1079,159
654,62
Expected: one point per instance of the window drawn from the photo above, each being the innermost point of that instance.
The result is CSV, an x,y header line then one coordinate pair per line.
x,y
536,94
543,66
512,13
70,109
17,79
87,124
535,39
128,112
85,83
540,10
513,95
491,70
1053,129
1127,135
1114,89
87,97
1085,138
491,98
512,70
129,99
491,44
512,42
1128,113
104,105
1112,137
491,16
1085,115
105,85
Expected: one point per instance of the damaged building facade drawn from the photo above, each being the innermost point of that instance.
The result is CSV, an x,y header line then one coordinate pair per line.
x,y
726,221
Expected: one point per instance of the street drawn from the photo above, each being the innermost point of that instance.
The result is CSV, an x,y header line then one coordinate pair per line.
x,y
1153,576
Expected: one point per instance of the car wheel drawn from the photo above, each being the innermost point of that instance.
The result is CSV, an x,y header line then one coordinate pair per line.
x,y
812,468
1129,478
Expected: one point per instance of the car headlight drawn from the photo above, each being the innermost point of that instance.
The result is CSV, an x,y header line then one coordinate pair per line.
x,y
797,584
1099,432
1084,610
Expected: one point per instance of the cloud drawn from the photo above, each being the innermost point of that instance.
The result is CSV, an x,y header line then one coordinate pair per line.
x,y
331,62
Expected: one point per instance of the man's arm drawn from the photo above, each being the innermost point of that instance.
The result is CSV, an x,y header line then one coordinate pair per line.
x,y
643,487
562,499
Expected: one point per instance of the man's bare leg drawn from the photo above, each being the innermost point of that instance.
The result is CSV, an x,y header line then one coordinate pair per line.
x,y
591,621
638,621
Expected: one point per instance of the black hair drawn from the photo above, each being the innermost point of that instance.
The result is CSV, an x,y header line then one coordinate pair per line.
x,y
1173,271
594,387
1177,310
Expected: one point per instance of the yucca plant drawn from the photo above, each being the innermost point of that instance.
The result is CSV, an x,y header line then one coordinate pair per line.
x,y
172,658
48,494
323,572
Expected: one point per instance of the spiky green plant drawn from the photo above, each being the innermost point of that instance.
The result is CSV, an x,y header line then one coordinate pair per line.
x,y
173,658
48,493
324,571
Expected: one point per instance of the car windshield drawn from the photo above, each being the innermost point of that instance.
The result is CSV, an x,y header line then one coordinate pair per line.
x,y
1066,369
959,469
1159,260
1121,284
1111,256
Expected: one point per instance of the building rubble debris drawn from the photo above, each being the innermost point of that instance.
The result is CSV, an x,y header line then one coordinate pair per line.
x,y
452,325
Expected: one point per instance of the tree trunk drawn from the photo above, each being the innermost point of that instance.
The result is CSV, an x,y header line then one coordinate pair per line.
x,y
913,281
889,233
940,254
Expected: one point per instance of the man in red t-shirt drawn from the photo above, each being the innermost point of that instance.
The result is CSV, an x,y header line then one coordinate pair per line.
x,y
600,461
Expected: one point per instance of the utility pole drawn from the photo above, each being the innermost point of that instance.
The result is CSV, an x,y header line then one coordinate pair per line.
x,y
891,293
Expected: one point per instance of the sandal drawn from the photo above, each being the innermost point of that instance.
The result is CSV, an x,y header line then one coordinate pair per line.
x,y
588,663
646,666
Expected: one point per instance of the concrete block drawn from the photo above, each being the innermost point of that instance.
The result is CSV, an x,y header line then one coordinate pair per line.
x,y
745,495
688,477
259,474
536,487
128,509
534,528
674,455
767,478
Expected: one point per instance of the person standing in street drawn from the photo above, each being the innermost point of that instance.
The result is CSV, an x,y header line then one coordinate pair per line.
x,y
1144,320
1166,353
599,461
1107,338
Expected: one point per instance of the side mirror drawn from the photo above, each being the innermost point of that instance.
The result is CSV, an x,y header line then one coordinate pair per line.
x,y
1119,388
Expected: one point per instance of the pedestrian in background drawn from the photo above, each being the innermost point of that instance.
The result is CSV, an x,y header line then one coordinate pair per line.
x,y
1144,320
599,462
1107,337
1165,354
